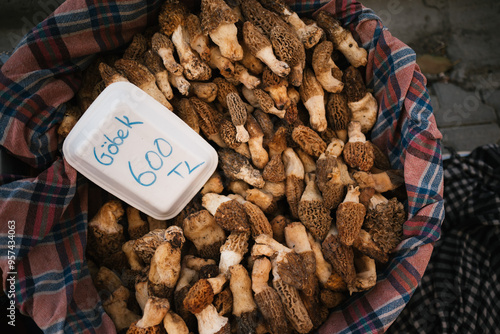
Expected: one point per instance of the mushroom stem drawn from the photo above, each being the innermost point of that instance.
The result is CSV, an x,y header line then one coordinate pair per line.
x,y
377,199
352,195
174,324
294,171
154,312
244,307
323,268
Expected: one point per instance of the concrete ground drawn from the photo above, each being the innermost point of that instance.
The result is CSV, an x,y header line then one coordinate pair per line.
x,y
456,42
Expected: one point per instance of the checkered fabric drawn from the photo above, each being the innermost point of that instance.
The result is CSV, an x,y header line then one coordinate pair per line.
x,y
459,292
50,208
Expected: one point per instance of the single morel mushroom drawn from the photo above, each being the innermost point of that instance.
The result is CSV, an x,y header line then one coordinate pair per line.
x,y
207,91
146,245
294,171
179,82
296,239
199,302
213,185
223,302
260,46
364,244
207,236
358,153
172,18
328,178
241,75
312,211
154,312
164,47
154,63
350,216
338,115
238,113
289,49
197,39
209,120
385,219
342,39
110,75
308,140
228,213
184,109
71,116
228,134
252,63
277,89
267,298
331,298
323,268
266,103
380,182
366,273
237,167
136,48
312,95
262,199
327,73
244,307
274,171
362,104
105,234
174,324
259,224
137,227
217,61
166,264
260,157
116,307
140,76
218,21
340,256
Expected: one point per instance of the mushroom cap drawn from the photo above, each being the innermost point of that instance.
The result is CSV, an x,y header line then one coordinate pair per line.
x,y
294,307
329,24
224,87
350,217
381,161
259,223
215,13
365,244
359,155
270,307
262,18
292,270
200,227
355,88
236,242
341,257
153,62
262,199
254,39
387,221
337,111
223,302
287,45
310,86
336,283
199,296
133,329
231,216
209,118
137,73
278,142
228,132
236,108
137,47
145,246
309,140
316,217
330,298
322,57
238,167
329,181
171,16
266,124
274,171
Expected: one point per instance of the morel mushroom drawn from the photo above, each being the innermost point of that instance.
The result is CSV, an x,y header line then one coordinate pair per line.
x,y
327,73
154,312
199,302
312,211
350,216
323,268
244,307
237,167
238,113
262,199
364,244
116,307
338,115
252,63
105,234
366,273
266,103
209,120
294,171
241,75
342,39
362,104
207,236
217,61
218,21
110,75
164,47
137,227
276,87
259,224
146,245
134,260
228,213
213,185
358,153
329,179
179,82
308,140
174,324
380,182
207,91
267,298
166,264
340,256
154,63
197,39
260,157
312,95
260,46
289,49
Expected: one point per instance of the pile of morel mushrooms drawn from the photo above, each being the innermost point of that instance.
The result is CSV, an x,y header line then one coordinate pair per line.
x,y
294,220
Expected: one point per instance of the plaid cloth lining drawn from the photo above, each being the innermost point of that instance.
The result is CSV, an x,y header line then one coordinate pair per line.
x,y
51,209
459,292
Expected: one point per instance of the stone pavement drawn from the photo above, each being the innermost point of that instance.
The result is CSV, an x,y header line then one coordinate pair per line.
x,y
458,38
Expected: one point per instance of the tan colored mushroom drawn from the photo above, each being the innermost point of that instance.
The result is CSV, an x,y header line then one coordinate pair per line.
x,y
238,113
309,34
267,298
350,216
217,61
329,178
296,239
323,268
218,21
228,213
179,82
154,63
137,227
363,106
276,189
364,244
146,245
274,171
266,103
259,224
209,120
260,46
154,312
241,75
324,68
207,236
331,298
278,225
134,260
252,63
342,39
260,157
340,256
312,95
213,185
71,116
174,324
233,250
166,264
140,76
366,273
199,302
294,171
164,47
207,91
336,283
277,89
107,280
267,126
262,199
237,167
358,153
244,306
141,288
197,39
172,18
338,114
110,75
105,234
381,182
197,263
308,140
185,110
312,211
116,307
223,302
